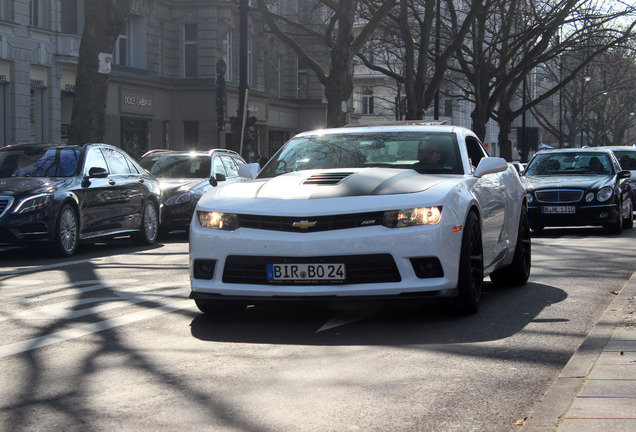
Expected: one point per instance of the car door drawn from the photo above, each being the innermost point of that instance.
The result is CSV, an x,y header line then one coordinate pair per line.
x,y
99,198
127,184
490,191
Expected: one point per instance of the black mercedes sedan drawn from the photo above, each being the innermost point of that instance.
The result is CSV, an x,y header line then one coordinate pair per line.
x,y
184,176
578,187
61,194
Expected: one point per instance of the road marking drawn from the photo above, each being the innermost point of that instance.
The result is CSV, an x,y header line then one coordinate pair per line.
x,y
20,270
88,329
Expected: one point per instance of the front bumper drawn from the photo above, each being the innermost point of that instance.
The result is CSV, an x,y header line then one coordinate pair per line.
x,y
583,215
379,262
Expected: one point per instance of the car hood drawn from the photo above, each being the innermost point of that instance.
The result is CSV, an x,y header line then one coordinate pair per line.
x,y
171,184
334,183
20,185
568,181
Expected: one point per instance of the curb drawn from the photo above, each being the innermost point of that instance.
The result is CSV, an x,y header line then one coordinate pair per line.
x,y
554,406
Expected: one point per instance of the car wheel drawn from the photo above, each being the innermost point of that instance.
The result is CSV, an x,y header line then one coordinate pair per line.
x,y
518,272
66,232
149,229
628,222
615,227
219,307
471,267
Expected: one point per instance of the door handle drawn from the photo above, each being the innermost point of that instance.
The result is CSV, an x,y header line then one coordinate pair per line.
x,y
141,180
111,182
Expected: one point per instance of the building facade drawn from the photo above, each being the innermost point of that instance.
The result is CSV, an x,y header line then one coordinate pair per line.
x,y
162,88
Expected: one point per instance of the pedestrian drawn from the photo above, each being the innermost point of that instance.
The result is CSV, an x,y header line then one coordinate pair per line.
x,y
262,160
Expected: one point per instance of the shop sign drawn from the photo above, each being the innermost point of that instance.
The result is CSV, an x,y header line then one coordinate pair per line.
x,y
136,102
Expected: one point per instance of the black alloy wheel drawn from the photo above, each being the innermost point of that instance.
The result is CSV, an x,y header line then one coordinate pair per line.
x,y
471,267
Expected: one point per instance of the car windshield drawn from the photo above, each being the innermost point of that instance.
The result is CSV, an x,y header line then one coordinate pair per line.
x,y
627,158
39,162
433,153
177,166
584,163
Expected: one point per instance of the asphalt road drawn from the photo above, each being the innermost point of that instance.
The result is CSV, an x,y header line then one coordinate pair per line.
x,y
109,341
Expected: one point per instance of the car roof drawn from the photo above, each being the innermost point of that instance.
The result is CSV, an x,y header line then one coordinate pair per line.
x,y
409,126
55,145
623,148
576,150
190,152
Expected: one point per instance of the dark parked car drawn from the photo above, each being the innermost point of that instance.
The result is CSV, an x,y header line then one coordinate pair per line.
x,y
576,187
61,194
185,176
626,156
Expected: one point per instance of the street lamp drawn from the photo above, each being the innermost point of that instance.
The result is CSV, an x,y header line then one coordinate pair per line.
x,y
584,79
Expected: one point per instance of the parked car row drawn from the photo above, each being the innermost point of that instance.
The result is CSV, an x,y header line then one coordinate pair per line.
x,y
59,195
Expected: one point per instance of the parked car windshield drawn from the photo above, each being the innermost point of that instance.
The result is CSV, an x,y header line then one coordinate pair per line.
x,y
584,163
627,158
405,150
39,162
177,166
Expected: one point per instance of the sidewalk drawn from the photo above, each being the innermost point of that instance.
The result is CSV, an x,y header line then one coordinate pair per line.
x,y
596,391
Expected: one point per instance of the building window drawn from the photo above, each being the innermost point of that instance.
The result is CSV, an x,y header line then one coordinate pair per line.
x,y
5,10
131,46
190,50
36,114
69,16
228,57
279,71
303,80
166,134
367,100
39,13
191,134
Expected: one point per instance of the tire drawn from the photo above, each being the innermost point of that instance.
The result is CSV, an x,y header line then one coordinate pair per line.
x,y
149,229
628,222
66,232
617,226
219,307
471,267
518,271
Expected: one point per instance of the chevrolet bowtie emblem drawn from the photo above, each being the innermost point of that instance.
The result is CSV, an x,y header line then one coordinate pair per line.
x,y
303,224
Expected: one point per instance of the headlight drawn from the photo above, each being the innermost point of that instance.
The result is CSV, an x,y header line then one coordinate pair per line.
x,y
179,199
217,220
412,217
33,203
604,194
529,197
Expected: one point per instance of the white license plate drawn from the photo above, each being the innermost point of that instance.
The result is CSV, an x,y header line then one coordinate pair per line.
x,y
306,272
559,210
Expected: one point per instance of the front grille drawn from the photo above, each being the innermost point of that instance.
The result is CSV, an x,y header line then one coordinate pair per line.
x,y
359,269
559,195
5,203
310,224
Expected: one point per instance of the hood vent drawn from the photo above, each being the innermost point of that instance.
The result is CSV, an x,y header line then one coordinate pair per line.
x,y
327,179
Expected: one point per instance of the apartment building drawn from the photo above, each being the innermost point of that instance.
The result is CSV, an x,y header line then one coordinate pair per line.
x,y
162,89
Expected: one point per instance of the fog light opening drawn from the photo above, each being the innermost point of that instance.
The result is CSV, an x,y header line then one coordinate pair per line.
x,y
203,269
427,267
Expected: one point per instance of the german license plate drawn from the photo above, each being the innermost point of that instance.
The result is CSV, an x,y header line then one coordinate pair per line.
x,y
306,272
559,210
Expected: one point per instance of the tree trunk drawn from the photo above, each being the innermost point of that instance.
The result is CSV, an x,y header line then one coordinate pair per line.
x,y
103,21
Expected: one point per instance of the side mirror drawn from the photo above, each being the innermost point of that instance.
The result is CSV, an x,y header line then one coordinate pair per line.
x,y
490,165
625,174
97,172
214,180
249,171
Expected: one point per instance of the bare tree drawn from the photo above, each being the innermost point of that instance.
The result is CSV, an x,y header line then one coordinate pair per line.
x,y
103,20
424,50
510,40
341,34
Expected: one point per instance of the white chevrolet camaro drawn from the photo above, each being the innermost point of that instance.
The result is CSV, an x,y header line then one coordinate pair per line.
x,y
372,212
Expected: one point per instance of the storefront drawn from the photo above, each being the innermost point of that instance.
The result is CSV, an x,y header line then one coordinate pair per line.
x,y
136,109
